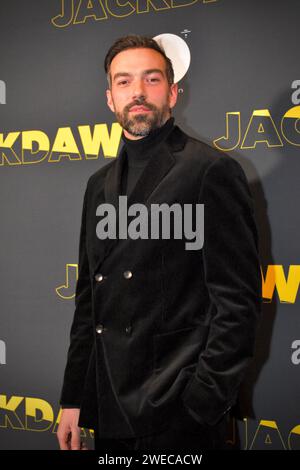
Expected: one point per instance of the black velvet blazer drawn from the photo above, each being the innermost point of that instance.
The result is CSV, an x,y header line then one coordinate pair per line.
x,y
157,326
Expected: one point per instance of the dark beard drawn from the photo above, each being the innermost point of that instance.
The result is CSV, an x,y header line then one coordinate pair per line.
x,y
142,124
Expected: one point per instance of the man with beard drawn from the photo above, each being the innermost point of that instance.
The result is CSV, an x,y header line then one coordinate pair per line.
x,y
161,336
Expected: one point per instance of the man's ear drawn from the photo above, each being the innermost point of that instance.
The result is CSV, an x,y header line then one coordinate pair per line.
x,y
110,103
173,95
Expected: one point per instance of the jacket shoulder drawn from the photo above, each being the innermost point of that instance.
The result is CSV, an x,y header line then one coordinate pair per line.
x,y
101,173
206,155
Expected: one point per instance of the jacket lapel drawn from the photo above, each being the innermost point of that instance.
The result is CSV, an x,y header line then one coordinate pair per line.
x,y
155,170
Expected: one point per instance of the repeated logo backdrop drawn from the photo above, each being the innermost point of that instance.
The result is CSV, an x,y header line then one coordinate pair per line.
x,y
240,94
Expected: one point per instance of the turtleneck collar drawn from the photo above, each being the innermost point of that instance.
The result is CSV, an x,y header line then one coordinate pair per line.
x,y
139,151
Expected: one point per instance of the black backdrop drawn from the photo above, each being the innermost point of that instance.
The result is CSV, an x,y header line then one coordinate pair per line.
x,y
241,93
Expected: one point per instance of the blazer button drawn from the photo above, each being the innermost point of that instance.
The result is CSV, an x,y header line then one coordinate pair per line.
x,y
127,274
99,328
128,329
99,277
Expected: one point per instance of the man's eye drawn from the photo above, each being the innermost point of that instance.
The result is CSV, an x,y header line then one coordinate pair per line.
x,y
154,79
122,82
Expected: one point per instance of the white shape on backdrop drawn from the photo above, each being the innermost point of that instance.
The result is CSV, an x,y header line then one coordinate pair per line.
x,y
178,51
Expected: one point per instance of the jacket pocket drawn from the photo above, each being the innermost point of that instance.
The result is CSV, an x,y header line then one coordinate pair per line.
x,y
178,349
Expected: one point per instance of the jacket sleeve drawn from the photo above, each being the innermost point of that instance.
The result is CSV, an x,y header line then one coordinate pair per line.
x,y
233,279
81,334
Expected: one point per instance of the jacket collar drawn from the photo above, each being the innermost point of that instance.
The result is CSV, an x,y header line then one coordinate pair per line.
x,y
155,170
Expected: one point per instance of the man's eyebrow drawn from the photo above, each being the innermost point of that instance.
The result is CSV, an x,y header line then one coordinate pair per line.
x,y
145,72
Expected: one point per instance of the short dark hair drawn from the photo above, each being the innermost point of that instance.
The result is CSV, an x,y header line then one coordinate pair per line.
x,y
134,41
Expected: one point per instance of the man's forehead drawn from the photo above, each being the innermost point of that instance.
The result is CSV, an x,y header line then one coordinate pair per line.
x,y
133,60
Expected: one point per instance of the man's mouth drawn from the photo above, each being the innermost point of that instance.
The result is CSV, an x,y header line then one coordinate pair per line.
x,y
139,109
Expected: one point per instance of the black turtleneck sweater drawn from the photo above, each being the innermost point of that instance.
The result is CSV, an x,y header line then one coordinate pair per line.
x,y
138,153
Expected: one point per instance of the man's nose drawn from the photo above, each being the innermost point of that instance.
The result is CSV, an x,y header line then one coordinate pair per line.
x,y
138,91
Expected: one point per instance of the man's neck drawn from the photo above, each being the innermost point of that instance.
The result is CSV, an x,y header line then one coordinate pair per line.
x,y
138,151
